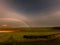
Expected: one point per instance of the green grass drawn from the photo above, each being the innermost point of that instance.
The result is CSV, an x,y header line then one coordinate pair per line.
x,y
18,36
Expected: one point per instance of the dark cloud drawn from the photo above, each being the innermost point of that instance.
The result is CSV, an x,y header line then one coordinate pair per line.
x,y
34,6
40,12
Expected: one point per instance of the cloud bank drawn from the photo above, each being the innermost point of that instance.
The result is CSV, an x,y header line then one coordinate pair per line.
x,y
47,17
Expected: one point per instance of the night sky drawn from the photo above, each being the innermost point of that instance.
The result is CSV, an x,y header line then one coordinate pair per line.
x,y
40,13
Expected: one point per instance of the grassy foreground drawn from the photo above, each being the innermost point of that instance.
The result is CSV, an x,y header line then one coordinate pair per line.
x,y
18,36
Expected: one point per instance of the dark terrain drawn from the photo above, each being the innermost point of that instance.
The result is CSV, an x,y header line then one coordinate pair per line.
x,y
41,42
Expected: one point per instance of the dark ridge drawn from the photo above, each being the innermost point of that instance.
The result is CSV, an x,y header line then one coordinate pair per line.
x,y
56,28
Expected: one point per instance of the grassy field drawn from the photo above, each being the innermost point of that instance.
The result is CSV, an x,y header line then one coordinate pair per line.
x,y
18,36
